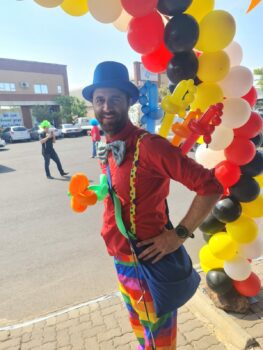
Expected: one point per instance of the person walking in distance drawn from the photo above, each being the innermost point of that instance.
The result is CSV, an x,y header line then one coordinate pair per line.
x,y
139,167
47,139
95,136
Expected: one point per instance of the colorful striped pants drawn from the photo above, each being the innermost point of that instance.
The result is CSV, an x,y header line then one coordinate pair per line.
x,y
153,333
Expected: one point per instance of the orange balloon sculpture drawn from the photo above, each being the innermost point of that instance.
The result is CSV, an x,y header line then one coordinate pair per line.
x,y
81,196
253,4
181,130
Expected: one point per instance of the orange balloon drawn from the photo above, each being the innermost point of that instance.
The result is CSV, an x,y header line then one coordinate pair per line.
x,y
78,183
253,4
77,206
91,197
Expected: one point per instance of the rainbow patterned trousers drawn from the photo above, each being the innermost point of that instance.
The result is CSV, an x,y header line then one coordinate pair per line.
x,y
153,333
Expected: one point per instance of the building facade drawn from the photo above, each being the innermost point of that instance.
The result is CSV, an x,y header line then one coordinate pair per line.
x,y
24,84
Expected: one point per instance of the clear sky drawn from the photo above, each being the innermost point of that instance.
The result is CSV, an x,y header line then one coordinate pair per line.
x,y
31,32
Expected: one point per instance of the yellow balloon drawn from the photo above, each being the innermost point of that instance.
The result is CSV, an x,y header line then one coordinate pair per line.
x,y
217,30
207,94
205,268
213,66
49,3
259,179
208,259
243,230
75,8
253,209
200,140
199,8
222,246
105,11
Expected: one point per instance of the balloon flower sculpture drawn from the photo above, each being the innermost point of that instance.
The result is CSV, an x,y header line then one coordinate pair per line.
x,y
149,100
83,195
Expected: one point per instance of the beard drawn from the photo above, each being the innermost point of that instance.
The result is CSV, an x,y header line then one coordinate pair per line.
x,y
112,122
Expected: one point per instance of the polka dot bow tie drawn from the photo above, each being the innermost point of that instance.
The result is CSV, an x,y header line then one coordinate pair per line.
x,y
116,147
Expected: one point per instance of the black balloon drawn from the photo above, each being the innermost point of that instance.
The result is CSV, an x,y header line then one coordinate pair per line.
x,y
172,7
258,140
218,281
182,66
207,236
181,33
197,81
246,189
212,225
227,210
255,167
171,88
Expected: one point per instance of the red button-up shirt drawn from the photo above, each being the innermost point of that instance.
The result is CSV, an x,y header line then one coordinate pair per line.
x,y
159,161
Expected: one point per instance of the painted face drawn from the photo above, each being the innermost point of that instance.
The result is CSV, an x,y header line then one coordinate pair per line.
x,y
111,109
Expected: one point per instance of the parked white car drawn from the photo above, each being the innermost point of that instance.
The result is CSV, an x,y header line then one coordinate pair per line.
x,y
36,131
71,130
16,133
2,143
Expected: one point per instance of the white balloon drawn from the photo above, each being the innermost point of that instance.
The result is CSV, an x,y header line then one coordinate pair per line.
x,y
222,137
105,11
235,53
239,269
236,112
123,21
252,250
238,82
207,157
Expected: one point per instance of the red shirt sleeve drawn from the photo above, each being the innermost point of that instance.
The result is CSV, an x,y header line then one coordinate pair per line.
x,y
168,161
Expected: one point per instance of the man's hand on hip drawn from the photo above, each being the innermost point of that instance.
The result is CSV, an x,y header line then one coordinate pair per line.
x,y
161,245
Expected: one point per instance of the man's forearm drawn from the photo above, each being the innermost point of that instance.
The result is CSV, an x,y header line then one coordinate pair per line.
x,y
198,211
44,140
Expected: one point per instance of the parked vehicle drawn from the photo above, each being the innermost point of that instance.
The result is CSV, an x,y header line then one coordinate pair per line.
x,y
84,124
71,130
2,143
36,131
16,133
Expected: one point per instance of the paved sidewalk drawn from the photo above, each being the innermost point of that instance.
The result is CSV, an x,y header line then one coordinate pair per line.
x,y
103,325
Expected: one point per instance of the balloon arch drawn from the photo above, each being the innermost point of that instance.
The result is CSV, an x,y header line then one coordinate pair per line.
x,y
213,95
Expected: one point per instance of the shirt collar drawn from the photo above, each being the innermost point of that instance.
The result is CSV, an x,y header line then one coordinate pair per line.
x,y
123,134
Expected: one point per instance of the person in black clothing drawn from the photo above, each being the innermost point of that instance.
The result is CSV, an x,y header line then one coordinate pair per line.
x,y
47,138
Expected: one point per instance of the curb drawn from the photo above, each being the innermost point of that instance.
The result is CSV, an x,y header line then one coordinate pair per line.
x,y
224,327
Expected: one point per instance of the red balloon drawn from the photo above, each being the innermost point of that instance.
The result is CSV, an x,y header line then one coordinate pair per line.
x,y
197,53
241,151
227,173
249,287
251,96
157,60
137,9
145,34
252,128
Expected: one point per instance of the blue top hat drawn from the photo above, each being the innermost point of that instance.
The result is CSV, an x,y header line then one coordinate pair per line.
x,y
111,74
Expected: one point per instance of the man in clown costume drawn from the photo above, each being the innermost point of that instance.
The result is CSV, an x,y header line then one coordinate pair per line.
x,y
47,139
139,168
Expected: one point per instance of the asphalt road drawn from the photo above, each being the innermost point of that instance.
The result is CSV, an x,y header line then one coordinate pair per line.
x,y
50,257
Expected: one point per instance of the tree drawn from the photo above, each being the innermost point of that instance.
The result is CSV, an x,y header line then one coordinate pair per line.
x,y
259,71
163,91
47,113
71,106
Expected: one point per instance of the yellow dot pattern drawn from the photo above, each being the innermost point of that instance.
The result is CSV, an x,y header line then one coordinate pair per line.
x,y
135,164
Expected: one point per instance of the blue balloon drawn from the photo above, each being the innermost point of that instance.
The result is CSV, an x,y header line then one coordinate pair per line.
x,y
150,108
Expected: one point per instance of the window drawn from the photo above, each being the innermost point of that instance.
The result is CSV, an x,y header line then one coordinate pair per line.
x,y
40,89
19,128
7,87
59,89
